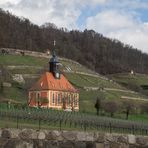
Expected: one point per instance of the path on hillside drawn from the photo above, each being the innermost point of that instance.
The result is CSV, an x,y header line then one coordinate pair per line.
x,y
121,90
11,67
133,98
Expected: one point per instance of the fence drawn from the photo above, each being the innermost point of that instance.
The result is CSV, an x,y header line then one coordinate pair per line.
x,y
47,119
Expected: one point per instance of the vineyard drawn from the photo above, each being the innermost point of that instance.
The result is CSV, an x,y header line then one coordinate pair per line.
x,y
62,120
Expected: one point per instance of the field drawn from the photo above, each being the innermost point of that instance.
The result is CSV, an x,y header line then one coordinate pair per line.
x,y
137,82
37,118
87,81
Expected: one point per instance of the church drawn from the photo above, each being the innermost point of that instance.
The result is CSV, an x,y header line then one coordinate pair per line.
x,y
53,90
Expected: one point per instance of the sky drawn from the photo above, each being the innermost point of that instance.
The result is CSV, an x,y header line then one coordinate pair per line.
x,y
124,20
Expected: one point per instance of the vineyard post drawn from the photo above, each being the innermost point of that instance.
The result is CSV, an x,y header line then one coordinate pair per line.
x,y
60,124
146,131
133,129
39,123
17,121
84,126
110,127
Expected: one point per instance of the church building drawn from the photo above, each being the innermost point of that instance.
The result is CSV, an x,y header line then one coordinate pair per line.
x,y
53,90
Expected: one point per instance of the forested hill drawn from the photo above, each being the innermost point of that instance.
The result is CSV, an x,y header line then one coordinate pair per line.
x,y
92,49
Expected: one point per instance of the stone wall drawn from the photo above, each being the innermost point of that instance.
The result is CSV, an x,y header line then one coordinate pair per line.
x,y
28,138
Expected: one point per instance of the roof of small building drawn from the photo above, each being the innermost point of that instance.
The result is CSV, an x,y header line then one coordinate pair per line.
x,y
48,82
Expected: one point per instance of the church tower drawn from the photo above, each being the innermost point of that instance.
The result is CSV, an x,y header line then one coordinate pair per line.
x,y
54,64
53,87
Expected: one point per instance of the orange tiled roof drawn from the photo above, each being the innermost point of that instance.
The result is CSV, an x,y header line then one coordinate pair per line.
x,y
48,82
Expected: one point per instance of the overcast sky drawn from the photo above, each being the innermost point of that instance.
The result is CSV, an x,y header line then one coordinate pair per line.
x,y
125,20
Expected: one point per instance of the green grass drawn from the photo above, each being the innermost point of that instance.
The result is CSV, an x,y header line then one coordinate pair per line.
x,y
87,98
139,117
138,79
134,117
51,119
22,60
12,123
87,101
27,70
81,80
118,94
133,82
15,93
78,80
76,67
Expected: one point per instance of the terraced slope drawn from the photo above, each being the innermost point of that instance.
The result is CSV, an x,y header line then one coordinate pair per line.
x,y
88,82
136,82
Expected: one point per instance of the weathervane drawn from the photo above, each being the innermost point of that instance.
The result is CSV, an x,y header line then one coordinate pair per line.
x,y
53,50
54,43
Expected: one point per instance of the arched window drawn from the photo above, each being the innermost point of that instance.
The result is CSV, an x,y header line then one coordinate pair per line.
x,y
69,100
75,100
38,95
53,98
59,98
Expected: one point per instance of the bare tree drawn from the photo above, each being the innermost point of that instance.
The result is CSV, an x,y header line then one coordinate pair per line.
x,y
128,106
144,108
98,105
110,107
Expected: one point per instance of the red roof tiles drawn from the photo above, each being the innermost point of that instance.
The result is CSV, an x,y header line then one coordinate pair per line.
x,y
49,82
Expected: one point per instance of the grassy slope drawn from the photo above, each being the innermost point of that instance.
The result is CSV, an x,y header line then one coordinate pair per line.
x,y
22,60
133,81
138,79
87,98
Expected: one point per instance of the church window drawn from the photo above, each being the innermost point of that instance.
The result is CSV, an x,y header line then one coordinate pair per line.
x,y
69,99
59,99
38,95
53,98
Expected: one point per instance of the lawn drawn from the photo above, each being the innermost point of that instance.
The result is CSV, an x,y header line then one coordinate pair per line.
x,y
22,60
81,80
139,117
16,94
138,79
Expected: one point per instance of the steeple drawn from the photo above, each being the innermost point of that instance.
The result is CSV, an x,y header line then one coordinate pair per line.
x,y
54,63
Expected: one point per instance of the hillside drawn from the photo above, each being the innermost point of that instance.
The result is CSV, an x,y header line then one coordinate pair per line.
x,y
88,82
136,82
98,53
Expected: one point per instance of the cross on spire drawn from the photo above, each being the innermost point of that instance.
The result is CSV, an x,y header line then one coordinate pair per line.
x,y
53,50
54,43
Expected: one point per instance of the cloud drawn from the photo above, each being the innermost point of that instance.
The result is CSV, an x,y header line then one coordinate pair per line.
x,y
128,4
124,26
63,13
8,1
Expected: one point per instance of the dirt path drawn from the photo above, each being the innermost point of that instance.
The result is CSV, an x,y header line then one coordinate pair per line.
x,y
121,90
133,98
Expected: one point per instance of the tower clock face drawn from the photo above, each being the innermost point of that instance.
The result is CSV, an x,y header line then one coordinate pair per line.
x,y
57,74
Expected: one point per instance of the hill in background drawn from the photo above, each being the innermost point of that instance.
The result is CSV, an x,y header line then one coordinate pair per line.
x,y
90,84
98,53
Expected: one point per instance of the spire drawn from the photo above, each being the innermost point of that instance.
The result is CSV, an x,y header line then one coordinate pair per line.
x,y
53,50
54,63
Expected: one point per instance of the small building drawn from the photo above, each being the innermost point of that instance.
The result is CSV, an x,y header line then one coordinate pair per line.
x,y
53,90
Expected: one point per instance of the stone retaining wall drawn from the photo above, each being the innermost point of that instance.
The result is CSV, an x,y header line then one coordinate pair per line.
x,y
28,138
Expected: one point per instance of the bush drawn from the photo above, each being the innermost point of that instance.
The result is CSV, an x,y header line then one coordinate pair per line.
x,y
144,108
110,107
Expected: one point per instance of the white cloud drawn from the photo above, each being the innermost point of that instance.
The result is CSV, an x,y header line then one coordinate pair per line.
x,y
121,25
64,13
9,1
